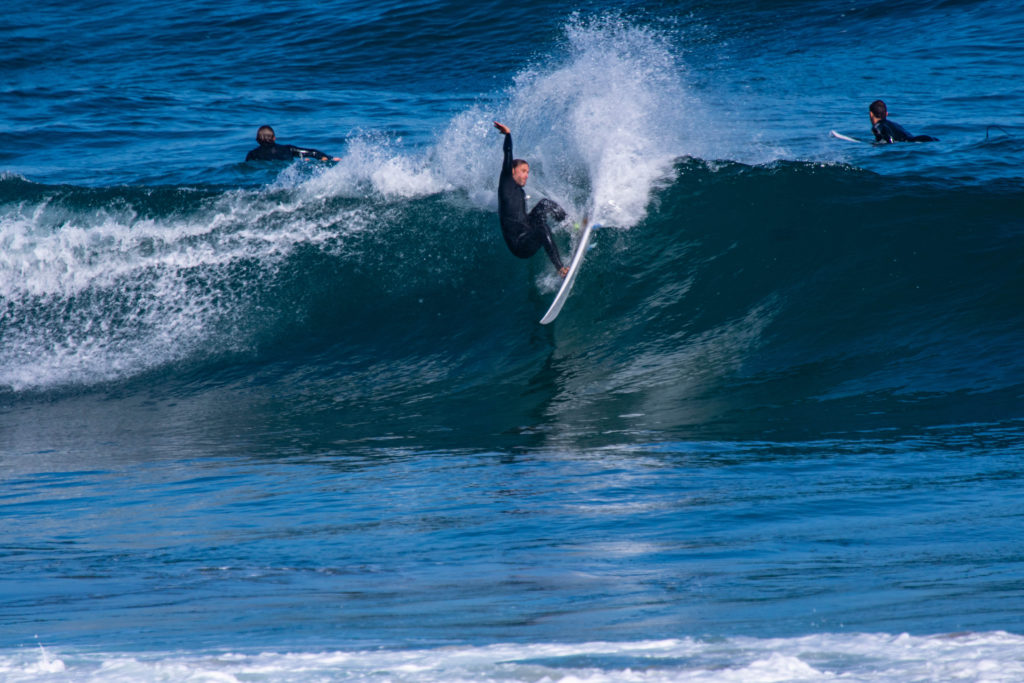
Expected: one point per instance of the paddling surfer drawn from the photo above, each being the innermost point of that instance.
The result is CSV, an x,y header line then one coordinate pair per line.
x,y
271,150
890,131
524,233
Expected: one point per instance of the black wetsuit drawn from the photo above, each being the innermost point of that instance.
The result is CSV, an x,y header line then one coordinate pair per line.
x,y
275,152
525,233
890,131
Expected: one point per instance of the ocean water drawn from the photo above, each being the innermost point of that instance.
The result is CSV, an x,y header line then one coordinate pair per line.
x,y
299,422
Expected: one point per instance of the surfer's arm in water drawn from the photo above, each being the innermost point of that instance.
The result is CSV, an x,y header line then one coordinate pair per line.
x,y
304,153
279,152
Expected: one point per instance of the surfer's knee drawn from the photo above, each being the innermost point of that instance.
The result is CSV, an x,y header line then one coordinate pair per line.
x,y
545,207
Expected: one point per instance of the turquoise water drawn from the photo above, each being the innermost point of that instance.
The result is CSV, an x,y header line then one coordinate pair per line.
x,y
299,421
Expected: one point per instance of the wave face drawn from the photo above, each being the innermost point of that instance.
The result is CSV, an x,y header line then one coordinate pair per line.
x,y
784,292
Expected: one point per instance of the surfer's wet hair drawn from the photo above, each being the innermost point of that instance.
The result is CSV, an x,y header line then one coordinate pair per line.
x,y
516,163
265,135
878,109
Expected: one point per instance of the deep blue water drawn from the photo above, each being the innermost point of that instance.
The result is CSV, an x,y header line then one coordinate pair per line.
x,y
299,421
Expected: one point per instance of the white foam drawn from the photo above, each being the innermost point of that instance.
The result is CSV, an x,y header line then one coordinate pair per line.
x,y
617,111
601,124
992,657
374,165
101,294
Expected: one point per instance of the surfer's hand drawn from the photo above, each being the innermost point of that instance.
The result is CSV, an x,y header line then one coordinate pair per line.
x,y
564,271
502,127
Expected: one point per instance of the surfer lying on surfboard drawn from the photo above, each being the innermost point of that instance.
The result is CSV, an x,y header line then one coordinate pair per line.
x,y
524,233
271,150
887,131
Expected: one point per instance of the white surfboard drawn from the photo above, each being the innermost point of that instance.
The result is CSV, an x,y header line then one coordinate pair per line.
x,y
574,268
840,136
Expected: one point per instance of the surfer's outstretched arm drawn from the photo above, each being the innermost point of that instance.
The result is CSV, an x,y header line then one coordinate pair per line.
x,y
506,164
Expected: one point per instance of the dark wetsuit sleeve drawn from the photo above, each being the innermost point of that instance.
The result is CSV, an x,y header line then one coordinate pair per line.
x,y
305,152
277,152
511,200
882,132
506,165
552,250
890,131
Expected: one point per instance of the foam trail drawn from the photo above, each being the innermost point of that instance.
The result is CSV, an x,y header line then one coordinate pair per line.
x,y
870,658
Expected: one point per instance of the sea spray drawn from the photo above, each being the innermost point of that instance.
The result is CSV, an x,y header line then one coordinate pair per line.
x,y
617,112
600,122
99,288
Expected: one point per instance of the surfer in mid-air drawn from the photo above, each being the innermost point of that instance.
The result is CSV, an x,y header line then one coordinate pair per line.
x,y
524,233
270,150
890,131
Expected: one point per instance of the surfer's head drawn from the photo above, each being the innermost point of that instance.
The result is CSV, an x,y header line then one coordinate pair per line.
x,y
265,135
877,111
520,171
